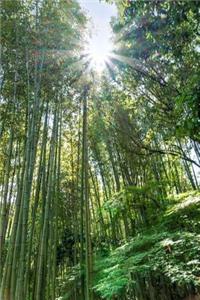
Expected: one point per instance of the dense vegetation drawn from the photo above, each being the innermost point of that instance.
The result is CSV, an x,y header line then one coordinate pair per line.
x,y
99,176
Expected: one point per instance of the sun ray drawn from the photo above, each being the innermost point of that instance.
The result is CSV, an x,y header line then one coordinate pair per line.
x,y
98,52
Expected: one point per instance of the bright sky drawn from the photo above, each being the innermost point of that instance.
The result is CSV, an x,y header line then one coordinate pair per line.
x,y
100,14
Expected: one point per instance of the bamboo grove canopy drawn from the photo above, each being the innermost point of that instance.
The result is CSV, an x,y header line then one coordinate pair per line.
x,y
99,171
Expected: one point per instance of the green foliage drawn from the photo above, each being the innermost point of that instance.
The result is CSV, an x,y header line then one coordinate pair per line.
x,y
170,250
114,284
162,38
141,136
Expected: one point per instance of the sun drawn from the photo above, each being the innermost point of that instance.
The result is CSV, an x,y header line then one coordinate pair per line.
x,y
98,51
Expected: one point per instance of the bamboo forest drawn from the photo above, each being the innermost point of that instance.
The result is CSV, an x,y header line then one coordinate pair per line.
x,y
100,150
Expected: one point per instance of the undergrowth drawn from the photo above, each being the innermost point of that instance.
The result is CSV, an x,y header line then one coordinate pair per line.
x,y
161,262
